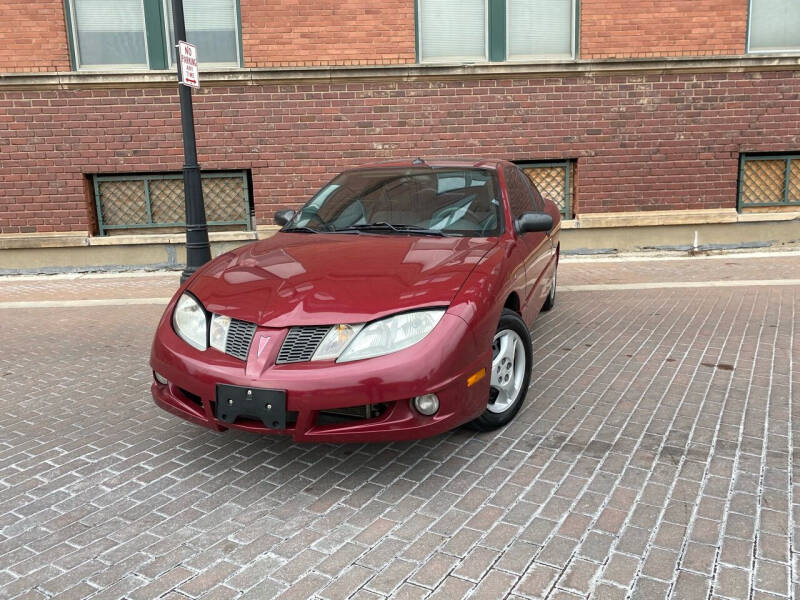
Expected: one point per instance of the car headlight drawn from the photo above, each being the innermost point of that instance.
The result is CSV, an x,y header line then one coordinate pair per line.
x,y
218,333
391,334
190,322
336,340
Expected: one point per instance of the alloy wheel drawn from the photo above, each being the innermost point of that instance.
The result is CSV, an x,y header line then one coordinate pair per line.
x,y
508,370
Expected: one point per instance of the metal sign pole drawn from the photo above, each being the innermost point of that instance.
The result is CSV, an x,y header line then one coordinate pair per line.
x,y
198,250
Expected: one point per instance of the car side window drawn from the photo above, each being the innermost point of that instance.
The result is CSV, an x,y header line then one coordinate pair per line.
x,y
538,201
520,196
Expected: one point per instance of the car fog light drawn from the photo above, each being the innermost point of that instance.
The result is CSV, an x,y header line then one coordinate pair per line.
x,y
160,378
426,405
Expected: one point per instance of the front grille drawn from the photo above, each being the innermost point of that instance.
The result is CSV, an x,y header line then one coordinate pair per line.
x,y
193,398
350,414
301,343
240,335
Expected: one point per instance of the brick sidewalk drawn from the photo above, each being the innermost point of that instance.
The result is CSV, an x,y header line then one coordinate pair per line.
x,y
653,459
571,272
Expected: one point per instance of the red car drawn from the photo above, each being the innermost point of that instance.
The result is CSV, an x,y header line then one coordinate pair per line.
x,y
394,305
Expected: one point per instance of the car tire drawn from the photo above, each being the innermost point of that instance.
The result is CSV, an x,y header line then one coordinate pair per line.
x,y
512,357
550,302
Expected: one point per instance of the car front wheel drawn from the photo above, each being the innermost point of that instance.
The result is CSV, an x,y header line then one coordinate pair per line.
x,y
511,372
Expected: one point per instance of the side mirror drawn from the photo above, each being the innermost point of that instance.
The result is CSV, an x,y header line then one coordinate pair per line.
x,y
533,221
282,217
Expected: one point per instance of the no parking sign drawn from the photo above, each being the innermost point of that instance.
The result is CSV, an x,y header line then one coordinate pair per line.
x,y
188,57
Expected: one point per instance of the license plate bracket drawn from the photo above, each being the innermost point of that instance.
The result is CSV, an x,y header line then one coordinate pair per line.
x,y
268,406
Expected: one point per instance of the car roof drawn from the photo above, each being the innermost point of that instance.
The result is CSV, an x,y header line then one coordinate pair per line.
x,y
464,163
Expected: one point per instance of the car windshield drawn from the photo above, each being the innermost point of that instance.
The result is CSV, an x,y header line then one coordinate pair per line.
x,y
410,201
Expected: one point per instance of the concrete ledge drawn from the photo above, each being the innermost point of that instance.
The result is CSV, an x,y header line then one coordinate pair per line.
x,y
72,259
42,240
168,238
269,76
67,240
607,233
680,237
587,221
656,217
757,217
673,217
79,252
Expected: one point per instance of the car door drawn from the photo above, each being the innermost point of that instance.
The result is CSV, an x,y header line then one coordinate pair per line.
x,y
533,247
543,262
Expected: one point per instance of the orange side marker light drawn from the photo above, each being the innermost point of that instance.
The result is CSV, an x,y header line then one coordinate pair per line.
x,y
476,377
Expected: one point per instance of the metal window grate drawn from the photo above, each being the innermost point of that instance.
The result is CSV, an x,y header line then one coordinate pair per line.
x,y
301,343
769,180
555,181
240,336
156,200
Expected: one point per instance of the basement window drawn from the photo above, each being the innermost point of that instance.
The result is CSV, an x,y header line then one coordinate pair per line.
x,y
154,202
555,181
769,180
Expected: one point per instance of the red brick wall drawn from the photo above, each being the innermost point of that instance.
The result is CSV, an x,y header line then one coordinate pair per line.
x,y
33,36
327,32
284,33
624,29
642,142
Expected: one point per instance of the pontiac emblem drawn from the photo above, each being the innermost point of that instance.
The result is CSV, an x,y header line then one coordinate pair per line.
x,y
262,343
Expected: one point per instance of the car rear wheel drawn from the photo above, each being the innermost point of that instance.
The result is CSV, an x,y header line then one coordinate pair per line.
x,y
511,372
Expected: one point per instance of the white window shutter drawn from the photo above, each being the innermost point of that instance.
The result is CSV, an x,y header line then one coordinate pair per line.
x,y
110,34
212,26
540,28
452,30
774,25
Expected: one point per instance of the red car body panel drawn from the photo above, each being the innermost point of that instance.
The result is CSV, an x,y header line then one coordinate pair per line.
x,y
325,279
294,279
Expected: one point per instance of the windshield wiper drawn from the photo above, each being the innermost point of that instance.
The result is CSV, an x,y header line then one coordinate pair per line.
x,y
302,229
400,228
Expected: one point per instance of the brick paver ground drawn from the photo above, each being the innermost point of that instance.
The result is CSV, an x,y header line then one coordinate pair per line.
x,y
653,459
701,268
573,271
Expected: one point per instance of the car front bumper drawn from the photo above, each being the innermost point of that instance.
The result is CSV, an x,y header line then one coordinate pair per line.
x,y
441,364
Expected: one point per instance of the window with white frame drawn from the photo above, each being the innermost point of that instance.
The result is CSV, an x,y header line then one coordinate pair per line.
x,y
538,29
109,34
212,26
774,26
452,30
495,30
138,34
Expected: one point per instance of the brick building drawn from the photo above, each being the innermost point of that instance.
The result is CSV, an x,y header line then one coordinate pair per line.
x,y
630,113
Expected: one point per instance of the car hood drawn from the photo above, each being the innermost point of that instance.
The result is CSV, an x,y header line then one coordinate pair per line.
x,y
321,279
